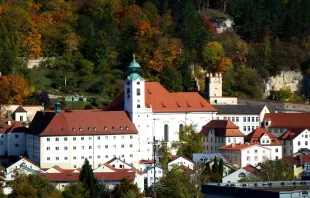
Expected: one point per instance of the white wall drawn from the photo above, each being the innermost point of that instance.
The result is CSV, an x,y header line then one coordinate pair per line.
x,y
150,175
181,161
21,116
235,176
17,166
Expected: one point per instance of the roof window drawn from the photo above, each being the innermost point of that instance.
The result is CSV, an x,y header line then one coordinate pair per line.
x,y
121,127
73,129
126,127
94,128
188,104
80,129
1,128
201,104
105,128
113,127
89,128
62,129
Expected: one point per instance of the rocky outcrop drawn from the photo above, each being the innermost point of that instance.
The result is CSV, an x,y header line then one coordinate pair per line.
x,y
290,79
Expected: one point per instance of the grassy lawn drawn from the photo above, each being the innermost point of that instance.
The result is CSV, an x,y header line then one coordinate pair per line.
x,y
39,80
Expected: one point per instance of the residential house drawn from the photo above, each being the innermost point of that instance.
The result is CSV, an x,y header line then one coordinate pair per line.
x,y
24,165
202,158
159,172
145,164
294,140
242,155
218,133
246,117
12,138
264,138
245,172
180,161
67,138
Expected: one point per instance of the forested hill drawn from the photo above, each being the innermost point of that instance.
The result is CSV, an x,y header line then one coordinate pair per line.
x,y
90,42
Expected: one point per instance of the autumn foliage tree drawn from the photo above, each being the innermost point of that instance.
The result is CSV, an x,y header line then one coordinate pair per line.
x,y
14,89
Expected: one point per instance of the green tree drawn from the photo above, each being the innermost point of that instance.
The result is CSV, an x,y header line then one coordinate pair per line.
x,y
171,79
189,142
212,54
179,184
88,179
21,187
75,191
125,188
85,67
165,154
274,171
221,167
284,94
215,167
43,187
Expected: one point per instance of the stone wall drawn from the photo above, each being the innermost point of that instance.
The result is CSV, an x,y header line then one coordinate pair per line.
x,y
290,79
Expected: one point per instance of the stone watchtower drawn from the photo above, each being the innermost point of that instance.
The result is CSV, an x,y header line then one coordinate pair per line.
x,y
213,85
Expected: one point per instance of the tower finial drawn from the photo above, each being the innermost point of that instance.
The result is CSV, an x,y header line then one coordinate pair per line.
x,y
134,57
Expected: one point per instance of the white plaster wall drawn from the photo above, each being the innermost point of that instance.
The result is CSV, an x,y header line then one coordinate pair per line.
x,y
181,161
234,177
254,157
218,100
139,180
150,175
21,116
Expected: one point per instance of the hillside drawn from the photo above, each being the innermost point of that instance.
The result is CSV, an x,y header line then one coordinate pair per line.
x,y
91,43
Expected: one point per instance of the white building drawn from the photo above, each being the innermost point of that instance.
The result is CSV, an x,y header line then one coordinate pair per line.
x,y
67,138
24,166
20,113
150,175
156,112
264,138
12,138
218,133
239,174
246,117
242,155
179,161
295,139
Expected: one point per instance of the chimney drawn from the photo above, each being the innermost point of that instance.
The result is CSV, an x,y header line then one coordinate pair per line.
x,y
57,108
233,145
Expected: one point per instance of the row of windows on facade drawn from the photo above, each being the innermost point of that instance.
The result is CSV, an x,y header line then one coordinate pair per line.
x,y
298,143
166,131
245,119
218,140
16,136
250,128
90,147
94,128
89,138
83,157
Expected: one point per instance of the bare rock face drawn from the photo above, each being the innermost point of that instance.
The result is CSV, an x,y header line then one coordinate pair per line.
x,y
290,79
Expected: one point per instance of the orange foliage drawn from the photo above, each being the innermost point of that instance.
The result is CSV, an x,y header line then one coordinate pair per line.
x,y
16,89
2,11
224,64
142,28
34,42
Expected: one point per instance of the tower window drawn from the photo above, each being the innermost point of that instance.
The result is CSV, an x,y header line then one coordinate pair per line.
x,y
166,132
138,92
128,90
138,83
138,106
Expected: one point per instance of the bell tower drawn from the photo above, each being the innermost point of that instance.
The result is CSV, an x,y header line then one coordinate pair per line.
x,y
134,88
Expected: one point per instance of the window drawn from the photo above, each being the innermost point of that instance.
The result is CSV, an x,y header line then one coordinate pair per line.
x,y
90,147
252,119
74,138
48,148
57,139
249,128
90,157
181,127
82,147
248,158
284,151
74,148
256,119
244,119
306,143
74,157
57,158
57,148
298,143
65,139
244,128
237,119
122,146
123,155
138,106
306,136
21,118
89,138
138,83
114,146
166,132
242,175
228,140
98,156
106,137
228,118
131,137
277,157
106,156
131,146
48,139
98,146
16,145
255,151
74,166
98,138
267,141
211,140
263,141
233,119
66,158
255,158
131,155
291,151
48,158
82,138
16,136
114,137
106,146
249,119
66,148
138,92
82,157
277,150
128,90
253,128
122,137
234,140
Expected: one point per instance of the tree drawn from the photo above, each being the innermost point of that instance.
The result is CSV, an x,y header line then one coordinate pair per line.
x,y
274,171
85,67
221,167
15,89
88,179
189,142
284,94
75,191
171,79
179,184
125,187
21,187
215,167
212,54
165,154
100,8
43,187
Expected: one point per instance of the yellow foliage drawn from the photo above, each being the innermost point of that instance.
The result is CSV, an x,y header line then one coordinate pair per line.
x,y
224,65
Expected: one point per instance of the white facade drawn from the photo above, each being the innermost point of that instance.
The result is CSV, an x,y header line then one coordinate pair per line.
x,y
71,151
236,176
150,175
292,146
250,155
20,116
181,161
22,166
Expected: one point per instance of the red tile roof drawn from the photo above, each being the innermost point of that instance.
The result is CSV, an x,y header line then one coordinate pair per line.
x,y
224,128
288,120
146,161
82,122
157,97
305,158
187,169
20,109
290,134
107,176
237,147
255,136
174,157
291,160
15,127
250,169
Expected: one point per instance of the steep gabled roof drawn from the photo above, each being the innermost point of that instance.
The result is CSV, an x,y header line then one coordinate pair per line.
x,y
239,109
223,128
250,168
291,134
187,169
238,147
82,122
288,120
14,127
255,136
175,157
20,109
157,97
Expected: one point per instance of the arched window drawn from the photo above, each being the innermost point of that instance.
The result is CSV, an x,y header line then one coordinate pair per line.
x,y
181,127
241,175
166,132
138,83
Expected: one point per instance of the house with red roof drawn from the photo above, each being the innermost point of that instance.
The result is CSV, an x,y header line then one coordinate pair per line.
x,y
264,138
12,138
242,155
245,172
180,161
218,133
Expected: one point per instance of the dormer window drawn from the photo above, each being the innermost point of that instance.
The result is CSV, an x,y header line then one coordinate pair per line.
x,y
89,128
138,83
94,128
73,129
80,129
121,127
126,127
105,128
